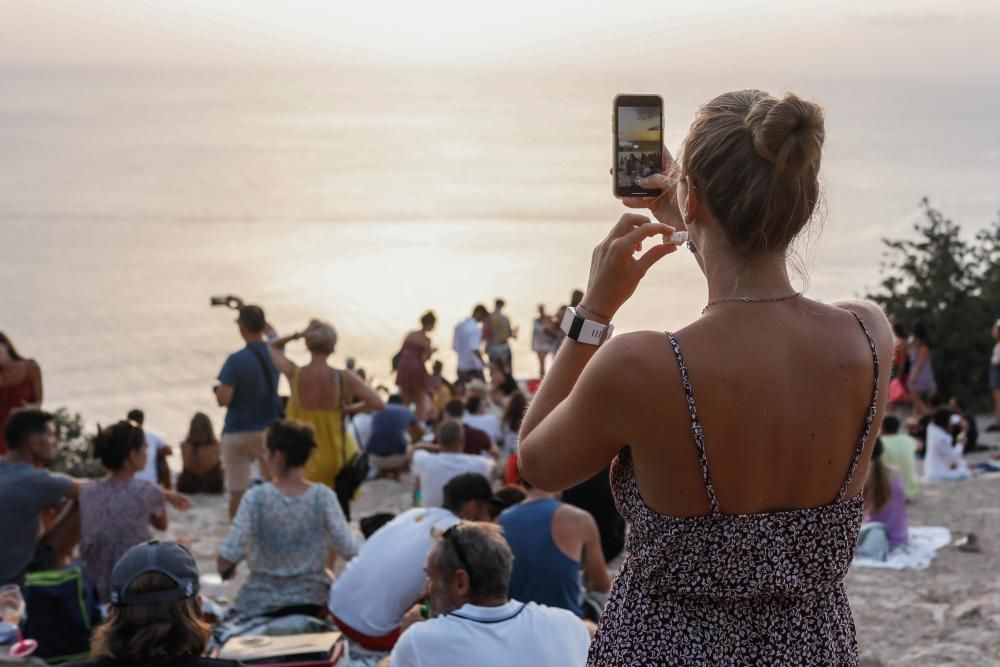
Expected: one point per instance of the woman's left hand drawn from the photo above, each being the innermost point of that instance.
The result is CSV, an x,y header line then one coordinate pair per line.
x,y
615,271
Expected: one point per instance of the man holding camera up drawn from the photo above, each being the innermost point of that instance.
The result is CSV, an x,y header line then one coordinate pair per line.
x,y
247,389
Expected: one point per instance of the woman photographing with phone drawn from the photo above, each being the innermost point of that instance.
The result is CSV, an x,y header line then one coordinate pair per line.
x,y
739,452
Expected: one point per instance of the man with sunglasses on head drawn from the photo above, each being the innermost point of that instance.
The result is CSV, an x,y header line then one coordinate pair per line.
x,y
474,620
370,597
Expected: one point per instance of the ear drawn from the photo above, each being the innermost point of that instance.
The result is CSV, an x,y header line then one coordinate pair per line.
x,y
458,587
692,200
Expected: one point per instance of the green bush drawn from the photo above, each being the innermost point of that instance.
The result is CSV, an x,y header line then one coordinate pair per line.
x,y
74,453
953,286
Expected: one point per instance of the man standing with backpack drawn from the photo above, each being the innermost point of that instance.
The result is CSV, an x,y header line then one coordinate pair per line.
x,y
247,388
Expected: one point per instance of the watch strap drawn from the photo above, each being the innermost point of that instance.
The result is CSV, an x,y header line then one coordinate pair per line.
x,y
583,330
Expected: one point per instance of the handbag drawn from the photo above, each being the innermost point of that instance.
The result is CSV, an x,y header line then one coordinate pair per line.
x,y
353,473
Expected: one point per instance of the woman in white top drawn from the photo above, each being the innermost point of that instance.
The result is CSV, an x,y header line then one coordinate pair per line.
x,y
943,460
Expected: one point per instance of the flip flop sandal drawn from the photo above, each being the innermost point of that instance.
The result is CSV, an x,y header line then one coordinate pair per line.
x,y
968,544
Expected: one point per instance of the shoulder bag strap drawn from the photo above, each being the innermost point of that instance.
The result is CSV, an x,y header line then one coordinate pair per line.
x,y
267,371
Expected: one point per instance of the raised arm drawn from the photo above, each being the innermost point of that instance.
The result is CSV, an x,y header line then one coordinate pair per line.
x,y
576,422
276,346
570,431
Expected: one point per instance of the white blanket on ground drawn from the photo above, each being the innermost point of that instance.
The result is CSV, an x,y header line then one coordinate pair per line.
x,y
917,555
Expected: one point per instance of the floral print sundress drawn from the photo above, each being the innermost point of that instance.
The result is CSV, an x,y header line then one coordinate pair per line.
x,y
762,589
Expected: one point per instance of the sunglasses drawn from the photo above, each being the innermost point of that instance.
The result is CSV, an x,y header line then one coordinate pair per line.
x,y
450,536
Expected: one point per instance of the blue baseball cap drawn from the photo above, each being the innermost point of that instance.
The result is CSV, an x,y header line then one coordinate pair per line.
x,y
167,558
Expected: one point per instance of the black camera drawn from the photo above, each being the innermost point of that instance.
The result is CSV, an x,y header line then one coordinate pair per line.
x,y
229,301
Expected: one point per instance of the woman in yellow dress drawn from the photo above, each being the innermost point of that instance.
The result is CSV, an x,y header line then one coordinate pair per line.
x,y
320,395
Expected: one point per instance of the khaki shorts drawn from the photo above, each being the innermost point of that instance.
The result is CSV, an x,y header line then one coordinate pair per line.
x,y
238,451
389,463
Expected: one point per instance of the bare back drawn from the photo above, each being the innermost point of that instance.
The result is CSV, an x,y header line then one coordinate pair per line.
x,y
200,459
317,387
782,393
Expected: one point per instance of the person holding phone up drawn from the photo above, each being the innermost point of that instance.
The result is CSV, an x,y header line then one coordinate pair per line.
x,y
739,453
247,389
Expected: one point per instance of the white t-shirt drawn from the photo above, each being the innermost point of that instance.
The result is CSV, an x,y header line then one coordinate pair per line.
x,y
468,339
512,634
436,470
153,444
488,422
384,580
942,453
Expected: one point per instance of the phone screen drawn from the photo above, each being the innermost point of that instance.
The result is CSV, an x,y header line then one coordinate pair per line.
x,y
638,142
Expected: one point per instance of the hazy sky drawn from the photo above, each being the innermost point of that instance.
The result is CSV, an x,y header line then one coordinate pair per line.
x,y
900,38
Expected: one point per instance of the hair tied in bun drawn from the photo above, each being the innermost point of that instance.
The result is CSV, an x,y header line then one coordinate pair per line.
x,y
788,133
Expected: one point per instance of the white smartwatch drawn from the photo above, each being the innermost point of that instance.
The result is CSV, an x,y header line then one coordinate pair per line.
x,y
583,330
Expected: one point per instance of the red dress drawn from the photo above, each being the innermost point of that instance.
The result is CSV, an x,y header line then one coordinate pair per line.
x,y
11,398
411,374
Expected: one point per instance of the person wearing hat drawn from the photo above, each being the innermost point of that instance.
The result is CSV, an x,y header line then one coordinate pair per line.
x,y
370,597
155,613
247,389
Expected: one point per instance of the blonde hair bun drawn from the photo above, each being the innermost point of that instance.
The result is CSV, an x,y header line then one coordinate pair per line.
x,y
756,160
788,132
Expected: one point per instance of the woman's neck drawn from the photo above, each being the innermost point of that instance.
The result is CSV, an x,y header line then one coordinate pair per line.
x,y
318,359
290,478
122,475
762,278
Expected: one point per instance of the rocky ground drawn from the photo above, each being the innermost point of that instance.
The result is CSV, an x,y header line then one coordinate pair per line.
x,y
948,614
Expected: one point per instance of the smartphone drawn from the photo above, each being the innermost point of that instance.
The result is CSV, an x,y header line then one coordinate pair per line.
x,y
637,129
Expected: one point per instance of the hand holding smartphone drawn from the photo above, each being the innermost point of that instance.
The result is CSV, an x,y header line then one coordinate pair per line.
x,y
637,129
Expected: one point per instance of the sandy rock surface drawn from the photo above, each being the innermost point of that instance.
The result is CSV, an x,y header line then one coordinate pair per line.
x,y
948,614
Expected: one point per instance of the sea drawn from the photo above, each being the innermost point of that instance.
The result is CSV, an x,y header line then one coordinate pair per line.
x,y
129,195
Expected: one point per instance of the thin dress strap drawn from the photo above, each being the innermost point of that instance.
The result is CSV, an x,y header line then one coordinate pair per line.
x,y
869,418
696,430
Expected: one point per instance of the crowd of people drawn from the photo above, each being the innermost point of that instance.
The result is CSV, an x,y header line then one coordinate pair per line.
x,y
521,491
633,165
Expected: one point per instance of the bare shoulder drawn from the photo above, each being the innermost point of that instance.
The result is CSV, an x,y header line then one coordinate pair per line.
x,y
874,319
633,347
628,356
572,515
